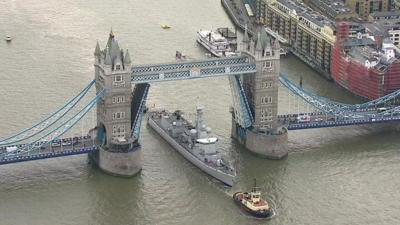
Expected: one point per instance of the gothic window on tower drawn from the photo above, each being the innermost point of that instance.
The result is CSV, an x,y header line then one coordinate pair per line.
x,y
266,115
118,78
101,79
118,67
118,81
266,100
118,130
267,65
118,115
266,84
118,99
267,126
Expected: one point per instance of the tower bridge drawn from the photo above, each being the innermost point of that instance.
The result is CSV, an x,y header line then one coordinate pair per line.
x,y
254,77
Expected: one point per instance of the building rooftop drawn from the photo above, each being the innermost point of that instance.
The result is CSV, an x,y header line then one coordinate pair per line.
x,y
298,7
302,10
353,42
376,58
381,27
375,29
337,5
386,15
362,53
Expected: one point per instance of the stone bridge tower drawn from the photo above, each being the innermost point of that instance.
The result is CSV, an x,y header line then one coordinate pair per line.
x,y
119,153
266,136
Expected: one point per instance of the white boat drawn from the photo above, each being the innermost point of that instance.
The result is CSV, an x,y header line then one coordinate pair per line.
x,y
215,43
165,26
8,38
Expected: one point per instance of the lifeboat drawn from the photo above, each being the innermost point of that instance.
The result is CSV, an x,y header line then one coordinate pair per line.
x,y
253,204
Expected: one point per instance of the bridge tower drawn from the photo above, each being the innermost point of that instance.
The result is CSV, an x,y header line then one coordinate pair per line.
x,y
119,153
266,136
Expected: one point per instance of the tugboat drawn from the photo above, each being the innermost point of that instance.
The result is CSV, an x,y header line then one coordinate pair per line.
x,y
253,203
193,142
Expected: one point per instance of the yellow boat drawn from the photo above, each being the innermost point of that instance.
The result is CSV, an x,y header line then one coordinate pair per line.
x,y
164,26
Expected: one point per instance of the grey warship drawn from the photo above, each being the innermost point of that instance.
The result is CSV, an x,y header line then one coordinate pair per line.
x,y
193,142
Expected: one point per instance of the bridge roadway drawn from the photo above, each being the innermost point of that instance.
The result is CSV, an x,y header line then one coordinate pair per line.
x,y
212,67
64,147
320,120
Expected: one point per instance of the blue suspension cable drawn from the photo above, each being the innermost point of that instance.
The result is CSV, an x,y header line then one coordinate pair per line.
x,y
79,96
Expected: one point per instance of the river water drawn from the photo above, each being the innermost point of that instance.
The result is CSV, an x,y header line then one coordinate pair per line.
x,y
332,176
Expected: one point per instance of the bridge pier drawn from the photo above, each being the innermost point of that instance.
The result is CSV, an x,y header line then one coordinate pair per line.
x,y
273,146
123,164
268,145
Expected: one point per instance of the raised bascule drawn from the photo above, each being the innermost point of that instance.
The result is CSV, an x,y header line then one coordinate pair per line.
x,y
120,101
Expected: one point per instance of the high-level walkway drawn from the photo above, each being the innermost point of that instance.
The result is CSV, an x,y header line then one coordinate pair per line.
x,y
213,67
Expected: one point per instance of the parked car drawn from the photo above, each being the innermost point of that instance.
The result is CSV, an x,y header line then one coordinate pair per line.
x,y
56,144
383,109
387,114
66,143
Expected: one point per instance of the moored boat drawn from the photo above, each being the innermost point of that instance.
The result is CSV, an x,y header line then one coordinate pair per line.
x,y
253,203
193,142
215,43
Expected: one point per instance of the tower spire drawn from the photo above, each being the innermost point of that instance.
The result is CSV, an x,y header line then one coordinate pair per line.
x,y
246,35
97,49
258,44
111,33
107,60
127,59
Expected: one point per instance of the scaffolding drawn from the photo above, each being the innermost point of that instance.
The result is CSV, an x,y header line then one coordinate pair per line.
x,y
369,83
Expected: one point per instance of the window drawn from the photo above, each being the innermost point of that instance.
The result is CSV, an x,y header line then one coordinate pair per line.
x,y
266,100
267,65
266,84
119,81
267,126
118,130
118,115
101,79
118,67
118,99
266,115
118,78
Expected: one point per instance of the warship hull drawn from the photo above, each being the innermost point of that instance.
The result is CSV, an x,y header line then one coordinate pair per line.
x,y
219,175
